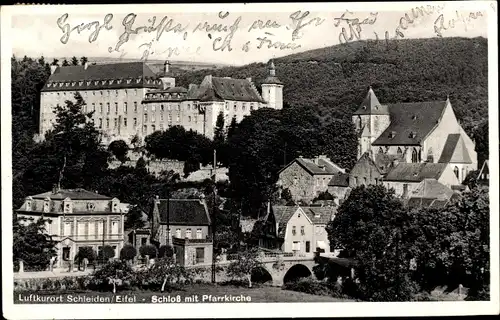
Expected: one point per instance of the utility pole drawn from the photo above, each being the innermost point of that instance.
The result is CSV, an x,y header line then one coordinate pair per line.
x,y
213,214
169,238
103,238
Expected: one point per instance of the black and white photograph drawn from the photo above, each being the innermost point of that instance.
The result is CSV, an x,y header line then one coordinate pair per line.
x,y
250,160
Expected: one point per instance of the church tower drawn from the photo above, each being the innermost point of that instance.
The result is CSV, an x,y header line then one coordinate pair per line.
x,y
370,120
272,89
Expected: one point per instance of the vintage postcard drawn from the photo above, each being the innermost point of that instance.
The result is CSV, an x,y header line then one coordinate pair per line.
x,y
250,160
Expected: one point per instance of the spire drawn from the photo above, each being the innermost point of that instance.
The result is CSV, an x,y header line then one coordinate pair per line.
x,y
272,69
371,105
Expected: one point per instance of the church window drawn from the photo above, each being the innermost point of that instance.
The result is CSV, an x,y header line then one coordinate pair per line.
x,y
359,122
380,150
456,171
400,151
414,155
375,124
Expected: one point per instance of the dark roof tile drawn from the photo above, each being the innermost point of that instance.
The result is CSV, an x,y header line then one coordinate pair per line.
x,y
192,212
454,150
73,194
371,105
415,172
339,180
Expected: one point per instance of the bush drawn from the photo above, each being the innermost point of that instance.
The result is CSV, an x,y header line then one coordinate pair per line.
x,y
128,252
85,252
310,286
106,253
148,250
164,275
113,275
165,251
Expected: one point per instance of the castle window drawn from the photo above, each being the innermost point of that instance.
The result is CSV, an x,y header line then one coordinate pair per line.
x,y
189,119
243,107
145,108
124,122
135,106
108,108
107,123
145,117
116,107
153,117
125,107
161,116
100,123
414,155
153,128
135,122
234,107
456,171
153,108
145,129
162,108
227,106
116,92
116,123
380,150
93,106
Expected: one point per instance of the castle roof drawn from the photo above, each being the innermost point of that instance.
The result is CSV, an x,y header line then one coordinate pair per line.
x,y
102,76
415,172
221,89
411,122
454,150
272,78
371,105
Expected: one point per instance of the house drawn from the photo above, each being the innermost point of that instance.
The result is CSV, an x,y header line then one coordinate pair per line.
x,y
128,99
430,193
190,229
483,178
307,178
418,132
77,218
294,229
338,186
404,178
141,236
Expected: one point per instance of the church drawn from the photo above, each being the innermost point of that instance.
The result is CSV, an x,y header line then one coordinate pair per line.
x,y
416,132
128,99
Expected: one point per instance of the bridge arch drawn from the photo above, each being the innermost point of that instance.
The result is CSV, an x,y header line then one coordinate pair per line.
x,y
261,275
296,272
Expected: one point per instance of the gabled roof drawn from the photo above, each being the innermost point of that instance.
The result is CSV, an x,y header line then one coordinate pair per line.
x,y
73,194
371,105
339,180
110,71
282,215
415,172
384,161
189,212
455,150
320,215
411,122
318,166
220,89
485,169
431,189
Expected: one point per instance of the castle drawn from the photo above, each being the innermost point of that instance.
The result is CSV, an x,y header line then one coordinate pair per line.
x,y
417,132
129,99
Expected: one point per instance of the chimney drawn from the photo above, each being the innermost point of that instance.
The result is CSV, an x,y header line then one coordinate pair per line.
x,y
53,68
86,65
166,67
55,189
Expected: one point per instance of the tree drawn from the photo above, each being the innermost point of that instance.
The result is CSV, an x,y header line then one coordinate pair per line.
x,y
134,218
287,196
370,226
85,253
148,250
107,252
119,149
244,264
128,252
481,139
55,62
65,63
165,251
325,195
115,274
74,61
232,127
220,138
83,60
32,244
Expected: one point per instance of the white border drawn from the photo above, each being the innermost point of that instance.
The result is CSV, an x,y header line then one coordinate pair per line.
x,y
337,309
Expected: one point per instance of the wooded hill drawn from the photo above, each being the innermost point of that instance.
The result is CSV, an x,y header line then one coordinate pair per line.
x,y
334,80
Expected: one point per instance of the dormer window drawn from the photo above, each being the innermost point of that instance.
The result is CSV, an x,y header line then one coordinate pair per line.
x,y
90,206
392,134
67,205
413,134
28,204
46,205
115,205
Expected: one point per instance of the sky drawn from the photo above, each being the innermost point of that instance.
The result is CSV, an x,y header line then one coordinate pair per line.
x,y
45,32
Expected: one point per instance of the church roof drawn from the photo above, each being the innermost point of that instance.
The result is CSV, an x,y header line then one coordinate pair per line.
x,y
455,150
415,172
220,89
97,76
371,105
411,122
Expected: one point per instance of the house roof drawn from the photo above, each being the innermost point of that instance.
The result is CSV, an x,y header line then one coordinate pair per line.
x,y
320,215
411,122
371,105
455,150
415,172
191,212
220,89
282,215
318,166
484,169
384,161
339,180
73,194
418,202
432,189
92,77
